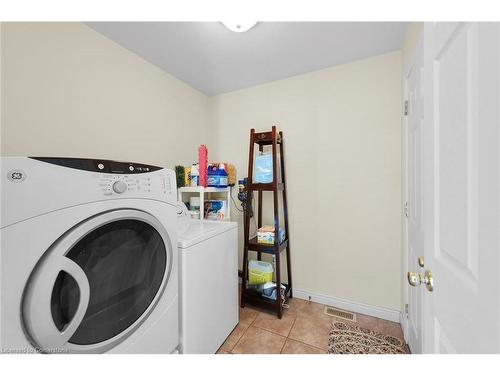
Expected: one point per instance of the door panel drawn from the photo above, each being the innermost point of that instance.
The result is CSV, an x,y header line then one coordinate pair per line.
x,y
456,121
461,194
455,86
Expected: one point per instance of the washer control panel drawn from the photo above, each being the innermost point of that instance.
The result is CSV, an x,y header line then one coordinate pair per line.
x,y
120,187
157,185
100,165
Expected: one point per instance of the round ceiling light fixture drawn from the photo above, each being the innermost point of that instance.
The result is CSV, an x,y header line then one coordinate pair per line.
x,y
239,27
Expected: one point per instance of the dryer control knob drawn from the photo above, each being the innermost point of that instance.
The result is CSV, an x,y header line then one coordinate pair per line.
x,y
119,187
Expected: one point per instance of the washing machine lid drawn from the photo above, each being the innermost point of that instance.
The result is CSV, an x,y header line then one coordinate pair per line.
x,y
200,230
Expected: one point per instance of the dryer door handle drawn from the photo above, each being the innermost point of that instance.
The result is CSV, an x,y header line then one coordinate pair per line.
x,y
38,309
77,273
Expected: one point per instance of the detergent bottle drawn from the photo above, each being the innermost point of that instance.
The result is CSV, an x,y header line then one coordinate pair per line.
x,y
222,176
217,176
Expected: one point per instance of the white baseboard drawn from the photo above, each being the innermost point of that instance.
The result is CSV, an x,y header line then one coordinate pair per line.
x,y
361,308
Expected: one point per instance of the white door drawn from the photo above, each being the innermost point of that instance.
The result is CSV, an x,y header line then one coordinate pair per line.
x,y
462,187
414,203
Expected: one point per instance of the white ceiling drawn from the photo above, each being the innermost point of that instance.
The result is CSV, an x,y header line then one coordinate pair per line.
x,y
214,60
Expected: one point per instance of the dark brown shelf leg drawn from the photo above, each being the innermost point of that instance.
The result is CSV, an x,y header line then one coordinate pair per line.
x,y
246,230
259,216
279,304
285,215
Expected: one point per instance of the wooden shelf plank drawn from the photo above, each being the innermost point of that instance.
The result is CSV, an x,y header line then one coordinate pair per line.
x,y
253,245
256,299
265,187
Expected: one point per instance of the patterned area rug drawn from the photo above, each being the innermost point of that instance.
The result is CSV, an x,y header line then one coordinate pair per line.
x,y
350,339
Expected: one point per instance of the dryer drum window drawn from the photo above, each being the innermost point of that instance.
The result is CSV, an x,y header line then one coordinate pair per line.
x,y
124,262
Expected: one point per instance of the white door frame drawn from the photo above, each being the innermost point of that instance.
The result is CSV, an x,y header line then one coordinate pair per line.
x,y
404,314
406,71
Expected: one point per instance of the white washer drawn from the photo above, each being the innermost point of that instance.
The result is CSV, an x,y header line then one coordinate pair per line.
x,y
208,256
88,257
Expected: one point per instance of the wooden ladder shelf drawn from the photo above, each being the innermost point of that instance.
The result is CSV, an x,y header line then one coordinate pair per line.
x,y
274,139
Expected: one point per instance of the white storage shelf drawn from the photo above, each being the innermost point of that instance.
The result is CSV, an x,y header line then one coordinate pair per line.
x,y
206,190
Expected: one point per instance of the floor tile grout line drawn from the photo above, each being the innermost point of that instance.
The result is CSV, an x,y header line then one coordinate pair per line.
x,y
290,330
231,352
276,333
283,347
268,330
246,329
236,343
293,325
305,343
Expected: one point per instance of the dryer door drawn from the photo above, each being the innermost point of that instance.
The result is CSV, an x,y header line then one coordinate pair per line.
x,y
97,283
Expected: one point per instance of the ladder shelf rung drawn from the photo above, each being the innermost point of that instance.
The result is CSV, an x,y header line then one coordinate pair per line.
x,y
253,245
255,298
265,139
266,187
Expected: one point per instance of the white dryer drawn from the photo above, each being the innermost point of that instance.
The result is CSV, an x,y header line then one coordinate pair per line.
x,y
88,257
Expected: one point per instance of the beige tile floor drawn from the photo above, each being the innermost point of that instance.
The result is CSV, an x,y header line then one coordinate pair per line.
x,y
304,329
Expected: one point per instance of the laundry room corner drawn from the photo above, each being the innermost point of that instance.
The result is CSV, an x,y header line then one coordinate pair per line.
x,y
344,174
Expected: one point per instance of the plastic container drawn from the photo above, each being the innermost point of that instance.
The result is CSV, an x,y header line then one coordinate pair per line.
x,y
263,169
217,176
222,176
259,272
194,203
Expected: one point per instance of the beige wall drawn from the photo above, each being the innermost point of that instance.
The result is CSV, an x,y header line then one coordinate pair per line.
x,y
413,34
342,129
69,91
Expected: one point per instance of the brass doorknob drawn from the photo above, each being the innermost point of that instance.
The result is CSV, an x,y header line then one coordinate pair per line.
x,y
416,279
429,280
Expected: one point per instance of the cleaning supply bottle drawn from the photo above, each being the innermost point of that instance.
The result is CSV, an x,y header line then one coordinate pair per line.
x,y
213,176
217,176
222,176
194,175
